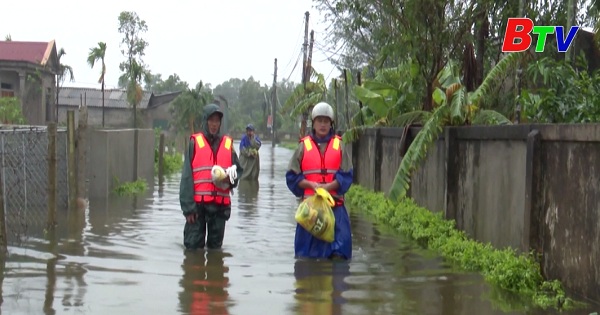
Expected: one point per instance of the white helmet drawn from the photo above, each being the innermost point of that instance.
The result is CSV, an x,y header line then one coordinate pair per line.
x,y
322,109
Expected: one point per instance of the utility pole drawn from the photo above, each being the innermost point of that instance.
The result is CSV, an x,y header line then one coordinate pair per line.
x,y
304,70
519,71
305,47
307,79
274,105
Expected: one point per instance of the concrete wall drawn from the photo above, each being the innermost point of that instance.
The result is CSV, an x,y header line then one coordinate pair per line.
x,y
530,187
110,156
113,117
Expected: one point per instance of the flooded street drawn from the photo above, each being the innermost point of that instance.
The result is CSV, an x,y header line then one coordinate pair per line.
x,y
126,257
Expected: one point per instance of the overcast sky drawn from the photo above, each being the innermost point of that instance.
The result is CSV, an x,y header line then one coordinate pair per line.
x,y
211,41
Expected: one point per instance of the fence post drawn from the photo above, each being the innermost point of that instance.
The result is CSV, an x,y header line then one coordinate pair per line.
x,y
451,204
135,153
378,160
161,158
51,176
3,240
356,145
72,179
531,225
81,150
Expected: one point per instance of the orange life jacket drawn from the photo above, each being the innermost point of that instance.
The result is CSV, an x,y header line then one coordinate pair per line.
x,y
322,168
204,160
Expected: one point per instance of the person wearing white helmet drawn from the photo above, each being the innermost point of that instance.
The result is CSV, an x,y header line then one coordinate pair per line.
x,y
320,161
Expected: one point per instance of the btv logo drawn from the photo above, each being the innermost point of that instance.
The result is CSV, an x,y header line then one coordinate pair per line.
x,y
526,27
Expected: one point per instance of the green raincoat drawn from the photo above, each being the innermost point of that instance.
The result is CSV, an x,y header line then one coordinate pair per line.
x,y
211,217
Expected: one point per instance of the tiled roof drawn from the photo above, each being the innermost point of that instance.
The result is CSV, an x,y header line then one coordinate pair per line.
x,y
113,98
34,52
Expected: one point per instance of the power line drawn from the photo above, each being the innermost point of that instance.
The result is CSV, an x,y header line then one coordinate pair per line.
x,y
295,65
329,54
298,40
330,72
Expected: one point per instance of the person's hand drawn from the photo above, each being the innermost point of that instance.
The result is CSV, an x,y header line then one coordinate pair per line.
x,y
325,186
191,218
232,173
315,185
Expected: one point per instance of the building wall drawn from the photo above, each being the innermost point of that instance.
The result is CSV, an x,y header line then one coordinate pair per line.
x,y
38,93
529,187
113,117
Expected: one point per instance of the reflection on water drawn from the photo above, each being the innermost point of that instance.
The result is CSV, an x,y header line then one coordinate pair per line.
x,y
248,192
125,256
319,286
204,283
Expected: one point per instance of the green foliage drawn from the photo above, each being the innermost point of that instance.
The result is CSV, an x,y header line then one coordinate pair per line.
x,y
135,188
456,107
504,269
10,111
417,151
65,71
306,96
561,93
133,49
33,87
173,161
249,101
292,145
390,95
186,109
98,54
157,85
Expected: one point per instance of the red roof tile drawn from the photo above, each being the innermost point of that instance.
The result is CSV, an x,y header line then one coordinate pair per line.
x,y
23,51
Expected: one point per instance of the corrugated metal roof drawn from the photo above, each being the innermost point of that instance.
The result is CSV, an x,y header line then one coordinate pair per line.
x,y
113,98
23,51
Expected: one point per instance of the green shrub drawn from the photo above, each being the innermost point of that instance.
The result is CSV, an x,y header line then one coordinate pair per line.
x,y
505,269
130,188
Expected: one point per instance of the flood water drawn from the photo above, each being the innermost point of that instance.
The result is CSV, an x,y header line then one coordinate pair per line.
x,y
126,256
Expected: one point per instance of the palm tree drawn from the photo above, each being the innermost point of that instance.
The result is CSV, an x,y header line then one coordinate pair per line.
x,y
63,72
98,53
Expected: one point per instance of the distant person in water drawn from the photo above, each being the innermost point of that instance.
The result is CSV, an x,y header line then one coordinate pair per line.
x,y
249,156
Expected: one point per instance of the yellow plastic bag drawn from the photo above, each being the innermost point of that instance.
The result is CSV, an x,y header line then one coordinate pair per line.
x,y
316,216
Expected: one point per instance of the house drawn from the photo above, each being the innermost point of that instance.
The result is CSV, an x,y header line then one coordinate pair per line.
x,y
153,110
28,71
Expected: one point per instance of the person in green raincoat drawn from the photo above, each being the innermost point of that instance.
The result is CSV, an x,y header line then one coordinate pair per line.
x,y
206,203
249,156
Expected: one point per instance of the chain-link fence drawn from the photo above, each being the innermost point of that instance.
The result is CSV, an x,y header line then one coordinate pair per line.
x,y
24,166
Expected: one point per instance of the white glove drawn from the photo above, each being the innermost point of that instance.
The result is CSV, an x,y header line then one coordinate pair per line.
x,y
232,173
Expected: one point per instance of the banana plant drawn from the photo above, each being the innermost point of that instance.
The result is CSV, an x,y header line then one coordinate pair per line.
x,y
392,92
454,106
187,108
304,97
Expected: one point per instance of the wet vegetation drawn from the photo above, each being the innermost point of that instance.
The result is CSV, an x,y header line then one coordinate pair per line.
x,y
173,160
516,278
134,188
10,111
